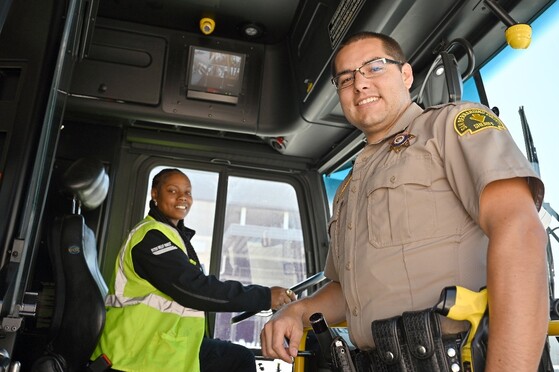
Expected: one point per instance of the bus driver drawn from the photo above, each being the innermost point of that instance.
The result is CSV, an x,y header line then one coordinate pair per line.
x,y
158,295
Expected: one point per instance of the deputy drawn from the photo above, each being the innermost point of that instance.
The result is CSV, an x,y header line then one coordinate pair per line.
x,y
438,197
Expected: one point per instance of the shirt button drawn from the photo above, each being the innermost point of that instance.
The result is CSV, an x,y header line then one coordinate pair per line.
x,y
353,188
349,227
355,311
392,179
348,266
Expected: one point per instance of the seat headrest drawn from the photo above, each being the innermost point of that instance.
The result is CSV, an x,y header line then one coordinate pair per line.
x,y
87,179
443,82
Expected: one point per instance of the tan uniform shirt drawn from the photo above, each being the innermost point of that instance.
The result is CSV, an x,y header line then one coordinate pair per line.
x,y
404,223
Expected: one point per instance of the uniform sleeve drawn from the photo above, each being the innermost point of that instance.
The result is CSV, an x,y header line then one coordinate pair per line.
x,y
330,268
170,271
477,150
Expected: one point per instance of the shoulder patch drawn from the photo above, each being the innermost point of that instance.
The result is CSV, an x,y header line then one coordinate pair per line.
x,y
474,120
163,248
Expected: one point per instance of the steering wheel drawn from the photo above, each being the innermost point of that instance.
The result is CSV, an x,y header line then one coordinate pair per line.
x,y
297,289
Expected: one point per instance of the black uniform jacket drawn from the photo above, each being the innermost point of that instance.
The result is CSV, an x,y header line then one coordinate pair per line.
x,y
173,274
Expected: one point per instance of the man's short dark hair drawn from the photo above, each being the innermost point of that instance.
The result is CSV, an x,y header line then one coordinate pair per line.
x,y
391,46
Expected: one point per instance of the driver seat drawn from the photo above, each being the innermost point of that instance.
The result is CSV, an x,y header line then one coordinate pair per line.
x,y
79,309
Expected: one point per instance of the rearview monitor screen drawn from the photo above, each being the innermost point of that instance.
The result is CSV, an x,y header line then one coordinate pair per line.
x,y
215,75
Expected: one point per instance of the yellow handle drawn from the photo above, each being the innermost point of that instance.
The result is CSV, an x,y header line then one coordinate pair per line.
x,y
553,328
519,36
299,362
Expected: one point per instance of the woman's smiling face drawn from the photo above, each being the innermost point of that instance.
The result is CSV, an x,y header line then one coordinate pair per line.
x,y
173,196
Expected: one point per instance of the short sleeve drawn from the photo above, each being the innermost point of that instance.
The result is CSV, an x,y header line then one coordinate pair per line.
x,y
479,149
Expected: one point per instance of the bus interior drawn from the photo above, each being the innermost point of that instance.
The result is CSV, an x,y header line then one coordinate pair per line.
x,y
236,93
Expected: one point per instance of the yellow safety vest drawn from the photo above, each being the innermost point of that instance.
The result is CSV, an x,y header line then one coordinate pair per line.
x,y
145,330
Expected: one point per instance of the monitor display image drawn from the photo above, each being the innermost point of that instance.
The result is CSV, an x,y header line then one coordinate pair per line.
x,y
215,75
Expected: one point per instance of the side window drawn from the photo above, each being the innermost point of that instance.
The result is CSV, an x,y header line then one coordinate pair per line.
x,y
535,82
262,239
333,180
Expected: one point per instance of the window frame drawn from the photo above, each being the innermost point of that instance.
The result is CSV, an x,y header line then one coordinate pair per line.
x,y
314,233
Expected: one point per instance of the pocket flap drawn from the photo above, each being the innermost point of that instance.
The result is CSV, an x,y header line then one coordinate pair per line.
x,y
407,171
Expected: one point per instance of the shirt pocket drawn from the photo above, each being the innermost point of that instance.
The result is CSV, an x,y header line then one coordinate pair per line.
x,y
401,206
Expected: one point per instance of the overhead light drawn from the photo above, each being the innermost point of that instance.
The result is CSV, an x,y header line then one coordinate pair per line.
x,y
252,30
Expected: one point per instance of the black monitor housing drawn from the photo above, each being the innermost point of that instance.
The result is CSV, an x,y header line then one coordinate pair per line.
x,y
214,75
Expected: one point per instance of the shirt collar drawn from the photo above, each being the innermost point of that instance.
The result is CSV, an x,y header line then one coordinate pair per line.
x,y
409,115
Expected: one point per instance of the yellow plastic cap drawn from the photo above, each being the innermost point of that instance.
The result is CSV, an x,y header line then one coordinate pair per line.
x,y
207,26
519,36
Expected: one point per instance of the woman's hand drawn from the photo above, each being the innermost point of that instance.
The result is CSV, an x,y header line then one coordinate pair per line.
x,y
281,296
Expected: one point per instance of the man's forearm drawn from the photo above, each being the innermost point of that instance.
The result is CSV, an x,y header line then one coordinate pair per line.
x,y
518,302
328,300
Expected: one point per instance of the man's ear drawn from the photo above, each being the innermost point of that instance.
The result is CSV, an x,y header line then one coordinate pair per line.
x,y
407,75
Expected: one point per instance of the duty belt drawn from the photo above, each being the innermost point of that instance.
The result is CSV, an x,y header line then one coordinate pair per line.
x,y
412,342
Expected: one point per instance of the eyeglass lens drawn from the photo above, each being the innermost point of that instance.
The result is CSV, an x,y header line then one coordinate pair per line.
x,y
367,70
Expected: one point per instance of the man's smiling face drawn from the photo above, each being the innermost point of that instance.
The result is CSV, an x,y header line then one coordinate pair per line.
x,y
373,105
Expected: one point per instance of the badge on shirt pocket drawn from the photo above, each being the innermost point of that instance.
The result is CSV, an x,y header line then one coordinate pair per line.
x,y
401,141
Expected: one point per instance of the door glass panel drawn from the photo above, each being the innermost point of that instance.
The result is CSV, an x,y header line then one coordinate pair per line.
x,y
262,244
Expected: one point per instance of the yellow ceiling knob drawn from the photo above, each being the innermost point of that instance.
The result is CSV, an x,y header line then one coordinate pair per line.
x,y
207,25
519,36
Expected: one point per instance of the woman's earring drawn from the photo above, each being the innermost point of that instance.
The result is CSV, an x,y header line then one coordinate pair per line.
x,y
155,202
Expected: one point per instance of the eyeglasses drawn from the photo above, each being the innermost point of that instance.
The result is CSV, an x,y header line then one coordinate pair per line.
x,y
369,70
